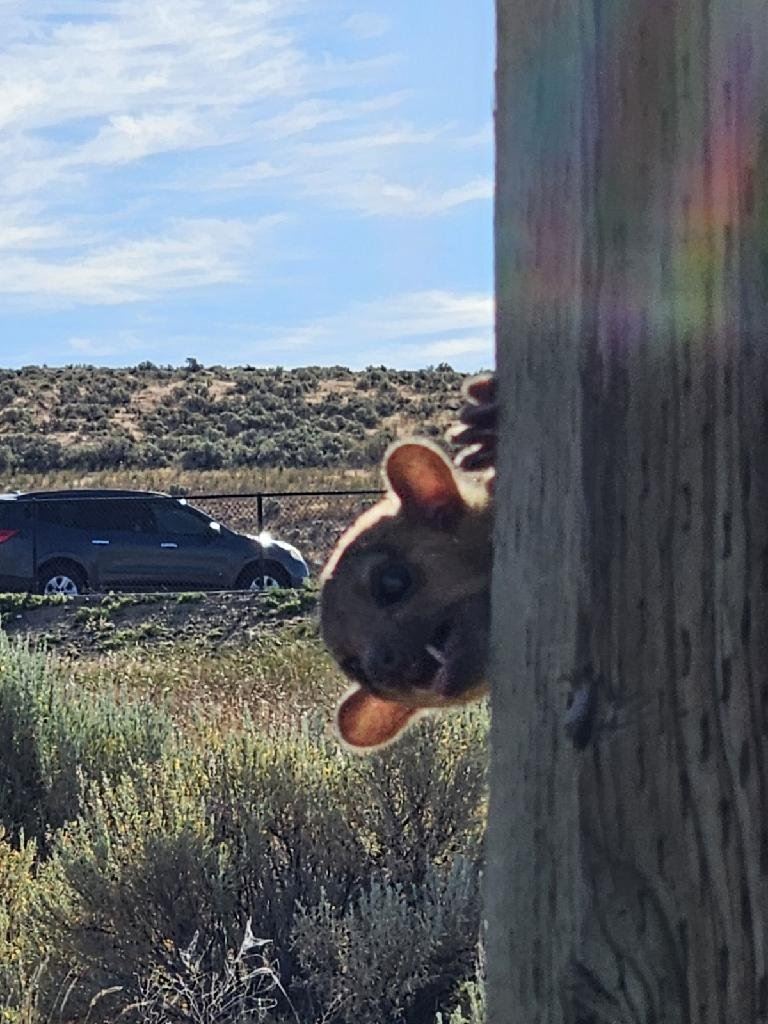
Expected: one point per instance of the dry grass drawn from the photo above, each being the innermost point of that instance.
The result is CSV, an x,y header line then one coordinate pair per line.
x,y
279,675
217,481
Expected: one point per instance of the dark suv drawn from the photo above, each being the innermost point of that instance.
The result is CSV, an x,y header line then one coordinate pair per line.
x,y
65,542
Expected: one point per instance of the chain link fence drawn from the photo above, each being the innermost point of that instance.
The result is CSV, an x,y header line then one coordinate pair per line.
x,y
310,520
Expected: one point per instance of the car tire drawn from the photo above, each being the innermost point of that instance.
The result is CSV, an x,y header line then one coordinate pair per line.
x,y
266,576
61,578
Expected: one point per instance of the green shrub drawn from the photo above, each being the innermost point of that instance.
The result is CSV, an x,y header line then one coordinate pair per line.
x,y
284,829
51,733
424,796
100,420
396,952
25,938
471,1008
160,848
201,841
203,455
6,458
20,951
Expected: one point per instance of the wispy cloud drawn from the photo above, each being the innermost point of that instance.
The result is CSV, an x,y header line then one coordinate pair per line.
x,y
344,173
134,54
20,229
425,325
306,116
474,353
373,195
150,149
407,330
89,90
192,254
125,137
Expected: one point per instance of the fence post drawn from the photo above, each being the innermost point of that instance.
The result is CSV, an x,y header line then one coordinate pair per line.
x,y
260,511
628,881
34,525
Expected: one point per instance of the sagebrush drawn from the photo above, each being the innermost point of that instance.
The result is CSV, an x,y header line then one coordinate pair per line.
x,y
155,836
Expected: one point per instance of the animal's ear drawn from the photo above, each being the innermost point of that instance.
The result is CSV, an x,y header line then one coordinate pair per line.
x,y
365,722
424,481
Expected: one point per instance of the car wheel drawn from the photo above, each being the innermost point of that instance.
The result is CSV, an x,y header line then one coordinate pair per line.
x,y
267,577
61,579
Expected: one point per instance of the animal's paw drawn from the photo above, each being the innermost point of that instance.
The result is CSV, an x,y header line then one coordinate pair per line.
x,y
475,433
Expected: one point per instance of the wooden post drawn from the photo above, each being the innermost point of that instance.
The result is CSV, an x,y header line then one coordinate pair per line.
x,y
627,881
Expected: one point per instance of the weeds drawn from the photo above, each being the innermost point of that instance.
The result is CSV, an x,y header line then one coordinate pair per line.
x,y
15,604
245,989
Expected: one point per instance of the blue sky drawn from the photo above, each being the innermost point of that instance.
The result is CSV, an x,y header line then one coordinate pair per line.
x,y
246,181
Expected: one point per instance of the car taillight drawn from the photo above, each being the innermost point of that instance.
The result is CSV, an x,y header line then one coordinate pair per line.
x,y
6,535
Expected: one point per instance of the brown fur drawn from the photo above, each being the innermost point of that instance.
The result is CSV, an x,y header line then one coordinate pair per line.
x,y
427,647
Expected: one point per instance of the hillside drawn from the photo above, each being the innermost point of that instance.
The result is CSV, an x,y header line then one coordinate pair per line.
x,y
84,419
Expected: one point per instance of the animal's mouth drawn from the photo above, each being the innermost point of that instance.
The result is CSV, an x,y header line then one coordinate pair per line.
x,y
455,655
436,647
440,657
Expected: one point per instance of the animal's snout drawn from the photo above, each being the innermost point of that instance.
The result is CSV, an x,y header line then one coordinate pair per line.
x,y
385,663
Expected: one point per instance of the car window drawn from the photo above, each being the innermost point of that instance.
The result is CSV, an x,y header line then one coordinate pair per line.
x,y
70,513
99,515
131,514
13,514
173,518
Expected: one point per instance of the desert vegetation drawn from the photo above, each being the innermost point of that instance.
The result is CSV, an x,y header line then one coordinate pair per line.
x,y
182,840
162,425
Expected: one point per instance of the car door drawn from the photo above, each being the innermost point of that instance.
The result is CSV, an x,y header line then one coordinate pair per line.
x,y
68,529
192,552
123,541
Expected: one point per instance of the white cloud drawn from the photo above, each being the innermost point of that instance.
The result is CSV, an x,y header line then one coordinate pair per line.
x,y
401,325
126,138
141,54
310,114
424,313
25,237
373,195
136,78
470,192
387,137
444,350
193,254
342,173
449,347
248,176
483,138
244,98
28,227
408,330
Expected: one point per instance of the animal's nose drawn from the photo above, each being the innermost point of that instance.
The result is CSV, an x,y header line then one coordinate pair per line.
x,y
385,663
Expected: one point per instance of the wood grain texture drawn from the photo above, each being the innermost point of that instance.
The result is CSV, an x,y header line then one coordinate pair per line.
x,y
628,883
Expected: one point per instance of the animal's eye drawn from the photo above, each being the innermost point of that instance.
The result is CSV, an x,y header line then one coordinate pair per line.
x,y
391,583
